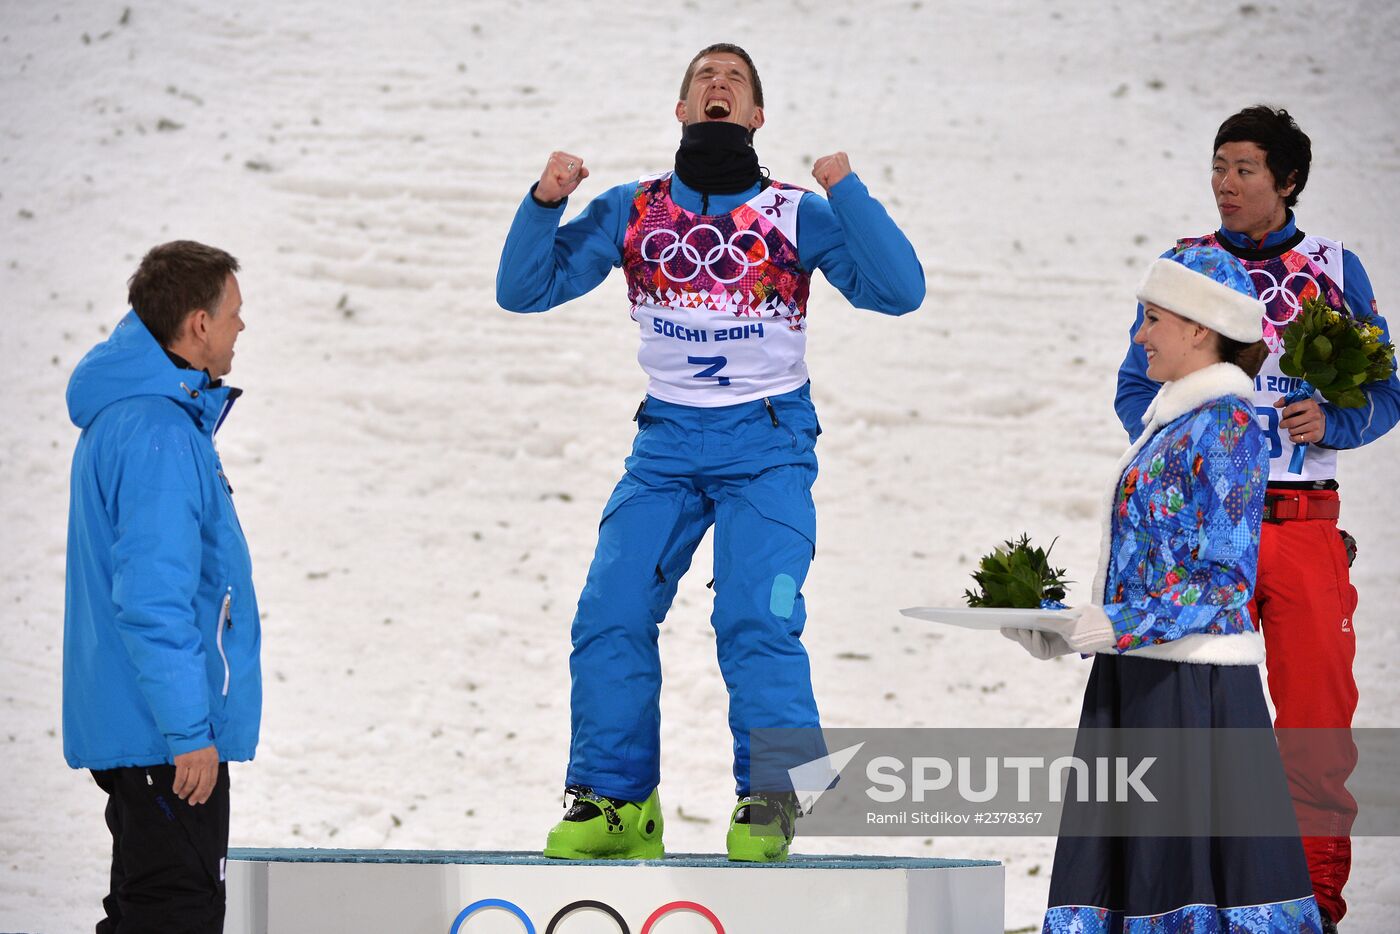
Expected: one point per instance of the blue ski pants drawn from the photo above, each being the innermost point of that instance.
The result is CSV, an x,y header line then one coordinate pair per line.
x,y
748,470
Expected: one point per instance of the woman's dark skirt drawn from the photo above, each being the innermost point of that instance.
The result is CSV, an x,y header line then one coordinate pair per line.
x,y
1174,885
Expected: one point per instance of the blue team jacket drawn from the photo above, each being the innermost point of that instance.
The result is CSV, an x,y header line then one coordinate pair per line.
x,y
161,632
851,239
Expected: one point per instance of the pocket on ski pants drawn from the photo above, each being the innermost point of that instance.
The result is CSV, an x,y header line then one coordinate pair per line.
x,y
784,495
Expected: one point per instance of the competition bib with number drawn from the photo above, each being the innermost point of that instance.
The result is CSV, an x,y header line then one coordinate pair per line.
x,y
721,300
1312,268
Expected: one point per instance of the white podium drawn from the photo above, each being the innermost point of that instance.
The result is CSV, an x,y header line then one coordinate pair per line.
x,y
286,891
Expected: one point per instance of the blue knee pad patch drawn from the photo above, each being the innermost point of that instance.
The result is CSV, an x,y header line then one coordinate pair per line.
x,y
782,597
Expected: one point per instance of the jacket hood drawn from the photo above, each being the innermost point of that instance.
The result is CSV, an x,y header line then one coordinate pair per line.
x,y
131,363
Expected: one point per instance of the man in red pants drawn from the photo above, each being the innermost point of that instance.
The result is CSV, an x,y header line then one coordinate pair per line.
x,y
1304,602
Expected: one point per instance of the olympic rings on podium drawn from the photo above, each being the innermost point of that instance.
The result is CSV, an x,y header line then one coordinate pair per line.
x,y
459,924
586,904
699,909
484,903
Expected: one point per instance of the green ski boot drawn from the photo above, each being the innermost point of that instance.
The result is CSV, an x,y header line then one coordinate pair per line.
x,y
761,828
596,827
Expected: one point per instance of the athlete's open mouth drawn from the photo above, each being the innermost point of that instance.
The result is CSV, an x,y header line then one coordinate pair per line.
x,y
717,109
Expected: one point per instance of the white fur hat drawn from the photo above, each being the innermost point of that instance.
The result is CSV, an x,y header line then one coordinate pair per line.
x,y
1208,286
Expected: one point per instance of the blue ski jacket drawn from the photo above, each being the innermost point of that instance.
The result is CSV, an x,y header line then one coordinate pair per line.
x,y
161,631
1346,428
851,239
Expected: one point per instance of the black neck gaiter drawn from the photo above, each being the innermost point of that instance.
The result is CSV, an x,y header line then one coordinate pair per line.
x,y
717,158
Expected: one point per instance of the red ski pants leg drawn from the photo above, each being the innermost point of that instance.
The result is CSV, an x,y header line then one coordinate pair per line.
x,y
1305,604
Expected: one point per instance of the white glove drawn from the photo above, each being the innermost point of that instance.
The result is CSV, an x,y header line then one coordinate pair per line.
x,y
1040,644
1087,631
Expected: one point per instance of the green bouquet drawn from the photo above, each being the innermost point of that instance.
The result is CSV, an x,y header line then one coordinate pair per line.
x,y
1017,575
1335,353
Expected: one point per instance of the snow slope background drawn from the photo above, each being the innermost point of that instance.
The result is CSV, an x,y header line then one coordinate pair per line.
x,y
420,473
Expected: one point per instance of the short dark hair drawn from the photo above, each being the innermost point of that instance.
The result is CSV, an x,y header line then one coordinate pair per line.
x,y
727,48
1248,357
175,279
1287,149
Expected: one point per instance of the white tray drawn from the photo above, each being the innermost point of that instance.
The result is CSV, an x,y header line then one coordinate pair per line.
x,y
993,617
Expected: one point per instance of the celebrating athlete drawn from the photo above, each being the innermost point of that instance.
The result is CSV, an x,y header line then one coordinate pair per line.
x,y
718,260
1303,601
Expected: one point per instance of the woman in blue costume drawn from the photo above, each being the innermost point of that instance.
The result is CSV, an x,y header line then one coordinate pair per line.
x,y
1174,646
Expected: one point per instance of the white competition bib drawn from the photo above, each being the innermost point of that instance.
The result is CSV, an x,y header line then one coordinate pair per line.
x,y
695,357
720,300
1312,268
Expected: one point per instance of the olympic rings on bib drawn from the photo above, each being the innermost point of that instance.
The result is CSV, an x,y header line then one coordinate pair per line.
x,y
722,250
1280,291
484,903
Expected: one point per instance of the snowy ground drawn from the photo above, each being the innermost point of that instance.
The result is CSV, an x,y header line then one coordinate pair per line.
x,y
420,473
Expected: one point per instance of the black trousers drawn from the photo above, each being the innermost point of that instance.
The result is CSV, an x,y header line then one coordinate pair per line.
x,y
167,856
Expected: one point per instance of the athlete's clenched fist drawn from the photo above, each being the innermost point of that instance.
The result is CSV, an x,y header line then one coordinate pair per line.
x,y
561,175
828,170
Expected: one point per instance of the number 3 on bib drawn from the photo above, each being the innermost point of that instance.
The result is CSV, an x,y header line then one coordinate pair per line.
x,y
712,366
1268,418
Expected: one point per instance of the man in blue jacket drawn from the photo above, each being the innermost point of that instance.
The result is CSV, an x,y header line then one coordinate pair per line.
x,y
718,260
161,680
1304,602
